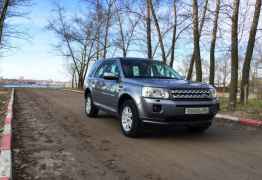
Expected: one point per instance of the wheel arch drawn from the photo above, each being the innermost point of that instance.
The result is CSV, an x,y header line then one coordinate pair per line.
x,y
87,91
122,99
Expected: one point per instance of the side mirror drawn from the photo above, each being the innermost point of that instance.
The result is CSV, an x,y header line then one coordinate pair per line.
x,y
110,76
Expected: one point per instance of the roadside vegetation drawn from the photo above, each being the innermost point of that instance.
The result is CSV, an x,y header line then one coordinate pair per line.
x,y
250,110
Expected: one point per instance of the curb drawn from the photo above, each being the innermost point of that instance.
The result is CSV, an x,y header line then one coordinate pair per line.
x,y
5,143
242,121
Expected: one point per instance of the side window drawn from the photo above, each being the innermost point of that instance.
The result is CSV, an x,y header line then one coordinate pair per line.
x,y
136,71
113,68
101,70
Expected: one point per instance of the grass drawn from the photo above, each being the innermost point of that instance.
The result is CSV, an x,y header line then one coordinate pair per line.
x,y
252,110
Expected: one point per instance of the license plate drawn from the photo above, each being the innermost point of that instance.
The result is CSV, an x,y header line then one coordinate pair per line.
x,y
201,110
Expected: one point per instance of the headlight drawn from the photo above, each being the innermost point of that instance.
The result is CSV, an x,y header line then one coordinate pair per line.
x,y
213,93
155,92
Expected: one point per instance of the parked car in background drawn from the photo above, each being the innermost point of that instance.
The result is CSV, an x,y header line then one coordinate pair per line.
x,y
141,91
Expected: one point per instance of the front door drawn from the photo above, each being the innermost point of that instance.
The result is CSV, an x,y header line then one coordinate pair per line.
x,y
111,87
99,84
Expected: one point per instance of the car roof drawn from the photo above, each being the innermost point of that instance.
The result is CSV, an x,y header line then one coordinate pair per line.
x,y
133,58
125,59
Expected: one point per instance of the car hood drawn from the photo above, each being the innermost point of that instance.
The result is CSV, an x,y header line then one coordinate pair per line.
x,y
169,83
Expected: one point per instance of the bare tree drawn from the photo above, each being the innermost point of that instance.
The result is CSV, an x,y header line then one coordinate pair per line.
x,y
222,71
109,15
10,9
196,35
160,39
193,58
249,52
180,25
174,35
126,33
98,27
77,41
213,45
4,8
234,57
148,29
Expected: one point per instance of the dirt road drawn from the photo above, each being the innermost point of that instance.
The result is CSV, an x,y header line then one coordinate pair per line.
x,y
53,139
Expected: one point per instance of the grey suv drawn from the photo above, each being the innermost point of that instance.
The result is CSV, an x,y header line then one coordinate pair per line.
x,y
141,91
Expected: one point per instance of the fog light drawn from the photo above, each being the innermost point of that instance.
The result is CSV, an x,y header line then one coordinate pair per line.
x,y
157,108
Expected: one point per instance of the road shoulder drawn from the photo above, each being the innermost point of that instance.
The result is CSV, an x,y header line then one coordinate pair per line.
x,y
5,143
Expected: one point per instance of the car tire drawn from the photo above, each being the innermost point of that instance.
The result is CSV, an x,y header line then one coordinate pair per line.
x,y
130,123
199,128
90,109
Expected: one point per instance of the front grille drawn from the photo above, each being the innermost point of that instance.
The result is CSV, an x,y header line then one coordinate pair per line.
x,y
191,94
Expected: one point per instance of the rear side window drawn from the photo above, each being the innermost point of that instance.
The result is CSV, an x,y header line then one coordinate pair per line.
x,y
136,71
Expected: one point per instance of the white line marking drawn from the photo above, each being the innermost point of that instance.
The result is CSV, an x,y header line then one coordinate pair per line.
x,y
5,163
227,117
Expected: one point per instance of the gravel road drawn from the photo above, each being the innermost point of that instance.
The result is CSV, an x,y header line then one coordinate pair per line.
x,y
53,139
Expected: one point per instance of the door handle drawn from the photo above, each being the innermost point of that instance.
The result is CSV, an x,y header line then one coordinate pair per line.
x,y
120,87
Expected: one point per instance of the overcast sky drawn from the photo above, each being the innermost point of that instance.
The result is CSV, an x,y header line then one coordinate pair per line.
x,y
35,58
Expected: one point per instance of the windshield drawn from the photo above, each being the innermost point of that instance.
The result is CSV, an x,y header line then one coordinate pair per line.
x,y
148,69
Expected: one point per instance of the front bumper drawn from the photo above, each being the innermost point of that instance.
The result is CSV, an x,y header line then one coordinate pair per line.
x,y
159,111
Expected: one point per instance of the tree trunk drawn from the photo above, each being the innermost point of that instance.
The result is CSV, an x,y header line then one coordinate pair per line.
x,y
213,45
98,29
196,42
81,80
192,61
106,36
160,39
234,58
108,20
174,36
148,30
80,83
122,35
249,52
191,66
76,80
2,19
73,79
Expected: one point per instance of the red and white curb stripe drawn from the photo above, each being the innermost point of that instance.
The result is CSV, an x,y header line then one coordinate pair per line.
x,y
248,122
5,143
